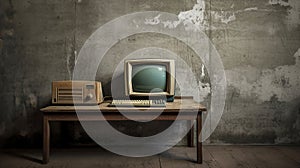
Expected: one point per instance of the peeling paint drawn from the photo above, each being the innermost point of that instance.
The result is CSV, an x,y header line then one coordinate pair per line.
x,y
195,19
153,21
194,16
71,54
229,19
225,17
229,16
204,90
293,17
251,9
202,71
171,25
279,2
258,103
282,81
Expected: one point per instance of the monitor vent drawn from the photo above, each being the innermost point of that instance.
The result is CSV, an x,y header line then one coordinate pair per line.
x,y
69,94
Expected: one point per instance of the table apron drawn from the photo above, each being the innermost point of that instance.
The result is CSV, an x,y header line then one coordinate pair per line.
x,y
111,117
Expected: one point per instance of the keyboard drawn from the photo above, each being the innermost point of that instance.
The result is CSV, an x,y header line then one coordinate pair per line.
x,y
138,103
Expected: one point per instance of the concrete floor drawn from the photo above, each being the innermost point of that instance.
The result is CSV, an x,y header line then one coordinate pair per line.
x,y
178,157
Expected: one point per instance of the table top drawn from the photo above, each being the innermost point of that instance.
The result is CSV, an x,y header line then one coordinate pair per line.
x,y
179,104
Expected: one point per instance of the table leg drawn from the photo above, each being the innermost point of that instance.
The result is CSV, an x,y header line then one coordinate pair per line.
x,y
46,140
190,136
199,142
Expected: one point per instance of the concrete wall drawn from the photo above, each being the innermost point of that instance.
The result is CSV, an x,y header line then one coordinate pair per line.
x,y
258,41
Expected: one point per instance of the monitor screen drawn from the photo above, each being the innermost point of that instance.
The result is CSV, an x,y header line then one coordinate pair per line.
x,y
149,78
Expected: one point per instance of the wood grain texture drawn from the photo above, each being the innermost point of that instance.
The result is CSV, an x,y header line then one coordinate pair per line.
x,y
253,156
187,105
176,157
180,109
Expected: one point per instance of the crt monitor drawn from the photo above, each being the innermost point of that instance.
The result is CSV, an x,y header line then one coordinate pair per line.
x,y
150,77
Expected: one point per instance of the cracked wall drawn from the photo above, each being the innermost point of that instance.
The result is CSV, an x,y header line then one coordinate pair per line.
x,y
258,41
260,49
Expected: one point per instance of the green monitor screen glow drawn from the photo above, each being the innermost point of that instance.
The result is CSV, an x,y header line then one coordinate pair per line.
x,y
149,77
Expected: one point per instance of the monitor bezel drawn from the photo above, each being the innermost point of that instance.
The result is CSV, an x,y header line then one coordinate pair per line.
x,y
170,66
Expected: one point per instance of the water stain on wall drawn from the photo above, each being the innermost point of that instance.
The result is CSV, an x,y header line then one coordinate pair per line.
x,y
283,81
258,41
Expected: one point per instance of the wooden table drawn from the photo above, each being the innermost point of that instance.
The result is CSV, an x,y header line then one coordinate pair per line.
x,y
188,107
